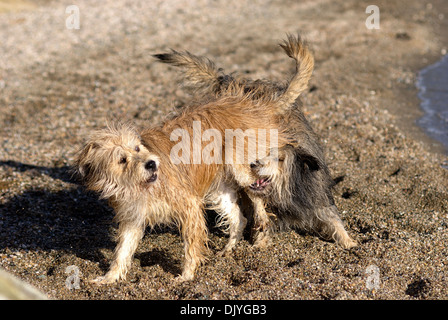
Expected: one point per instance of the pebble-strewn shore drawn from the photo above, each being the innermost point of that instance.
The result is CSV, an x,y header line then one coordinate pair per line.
x,y
56,85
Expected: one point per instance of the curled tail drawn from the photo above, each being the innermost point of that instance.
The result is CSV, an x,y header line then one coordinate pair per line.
x,y
201,74
297,49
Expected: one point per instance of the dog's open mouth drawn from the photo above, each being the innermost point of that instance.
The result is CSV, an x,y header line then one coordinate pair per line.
x,y
152,178
260,184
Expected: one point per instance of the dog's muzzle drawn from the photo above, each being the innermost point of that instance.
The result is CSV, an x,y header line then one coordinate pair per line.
x,y
151,166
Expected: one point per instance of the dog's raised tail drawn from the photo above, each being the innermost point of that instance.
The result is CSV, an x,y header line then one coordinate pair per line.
x,y
200,72
298,50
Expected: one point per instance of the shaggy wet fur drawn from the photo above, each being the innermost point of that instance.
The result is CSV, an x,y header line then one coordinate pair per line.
x,y
296,185
146,185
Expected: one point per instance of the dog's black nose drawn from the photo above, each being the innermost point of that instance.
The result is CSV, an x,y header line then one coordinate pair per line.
x,y
151,165
254,164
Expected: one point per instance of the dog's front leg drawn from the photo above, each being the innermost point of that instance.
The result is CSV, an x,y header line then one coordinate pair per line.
x,y
226,205
263,224
129,235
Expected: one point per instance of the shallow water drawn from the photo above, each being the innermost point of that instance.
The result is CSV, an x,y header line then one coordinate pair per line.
x,y
432,83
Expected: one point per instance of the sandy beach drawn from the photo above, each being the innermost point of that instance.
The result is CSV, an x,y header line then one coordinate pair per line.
x,y
57,84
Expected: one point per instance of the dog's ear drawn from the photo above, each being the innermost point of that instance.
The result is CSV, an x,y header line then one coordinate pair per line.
x,y
308,160
82,163
84,170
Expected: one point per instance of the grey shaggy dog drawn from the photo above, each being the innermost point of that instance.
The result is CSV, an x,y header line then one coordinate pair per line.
x,y
296,185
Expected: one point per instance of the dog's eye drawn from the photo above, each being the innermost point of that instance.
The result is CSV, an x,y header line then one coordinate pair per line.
x,y
123,160
137,148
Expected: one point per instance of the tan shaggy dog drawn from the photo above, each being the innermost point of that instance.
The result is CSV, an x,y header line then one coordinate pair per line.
x,y
147,185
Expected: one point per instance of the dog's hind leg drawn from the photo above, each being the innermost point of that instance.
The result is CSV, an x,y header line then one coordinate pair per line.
x,y
193,228
329,225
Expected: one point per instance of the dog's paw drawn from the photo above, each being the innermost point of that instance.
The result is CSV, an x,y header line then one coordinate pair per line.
x,y
183,278
224,252
107,279
262,240
348,243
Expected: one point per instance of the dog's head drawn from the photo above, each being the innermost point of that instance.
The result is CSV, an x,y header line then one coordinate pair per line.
x,y
265,173
115,163
276,170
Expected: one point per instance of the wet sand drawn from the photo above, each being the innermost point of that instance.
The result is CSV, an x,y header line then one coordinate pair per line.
x,y
56,85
